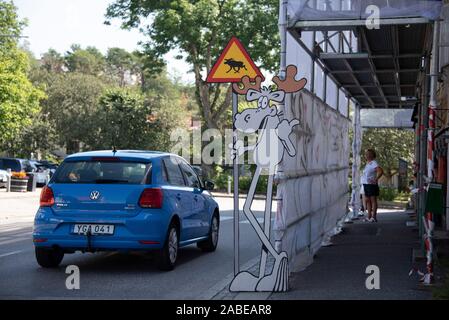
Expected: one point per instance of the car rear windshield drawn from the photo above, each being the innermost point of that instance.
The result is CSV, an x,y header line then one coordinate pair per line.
x,y
103,172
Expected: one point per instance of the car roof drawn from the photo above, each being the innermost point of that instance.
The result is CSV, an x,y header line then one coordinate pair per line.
x,y
16,159
134,154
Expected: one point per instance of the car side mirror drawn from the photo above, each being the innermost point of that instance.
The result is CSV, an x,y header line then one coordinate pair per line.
x,y
209,185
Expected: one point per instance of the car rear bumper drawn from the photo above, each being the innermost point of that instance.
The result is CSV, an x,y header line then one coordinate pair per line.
x,y
146,231
96,245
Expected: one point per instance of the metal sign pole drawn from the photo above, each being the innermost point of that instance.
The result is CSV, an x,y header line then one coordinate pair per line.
x,y
236,57
235,103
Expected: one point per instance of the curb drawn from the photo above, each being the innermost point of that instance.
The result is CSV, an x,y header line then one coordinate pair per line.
x,y
214,293
241,196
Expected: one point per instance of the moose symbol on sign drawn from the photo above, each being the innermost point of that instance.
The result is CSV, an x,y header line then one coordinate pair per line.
x,y
234,65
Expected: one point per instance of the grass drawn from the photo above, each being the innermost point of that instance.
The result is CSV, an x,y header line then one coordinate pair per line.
x,y
402,197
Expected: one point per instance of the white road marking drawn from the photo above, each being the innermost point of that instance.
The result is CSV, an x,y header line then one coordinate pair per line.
x,y
15,235
14,240
13,229
10,253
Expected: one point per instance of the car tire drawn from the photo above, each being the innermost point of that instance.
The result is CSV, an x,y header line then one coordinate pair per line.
x,y
49,258
169,253
211,243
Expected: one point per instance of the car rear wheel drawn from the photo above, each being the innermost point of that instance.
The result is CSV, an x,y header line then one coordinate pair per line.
x,y
49,258
169,253
210,245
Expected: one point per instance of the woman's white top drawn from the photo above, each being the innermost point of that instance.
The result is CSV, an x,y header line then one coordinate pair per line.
x,y
369,175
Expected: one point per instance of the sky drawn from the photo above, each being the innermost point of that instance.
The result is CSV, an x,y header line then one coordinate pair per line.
x,y
58,24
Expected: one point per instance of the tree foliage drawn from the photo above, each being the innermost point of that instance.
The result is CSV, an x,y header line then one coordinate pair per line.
x,y
120,63
71,105
87,61
86,111
390,145
127,119
86,100
200,29
19,99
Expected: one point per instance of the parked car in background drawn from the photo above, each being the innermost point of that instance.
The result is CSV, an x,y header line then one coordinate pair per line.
x,y
49,166
16,165
41,173
3,178
125,201
29,166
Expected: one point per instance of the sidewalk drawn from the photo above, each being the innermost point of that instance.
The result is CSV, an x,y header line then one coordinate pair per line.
x,y
16,207
338,272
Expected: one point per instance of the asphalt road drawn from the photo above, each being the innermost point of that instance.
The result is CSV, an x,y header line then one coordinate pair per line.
x,y
113,275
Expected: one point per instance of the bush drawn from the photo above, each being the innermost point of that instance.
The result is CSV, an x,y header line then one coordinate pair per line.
x,y
388,194
245,184
221,183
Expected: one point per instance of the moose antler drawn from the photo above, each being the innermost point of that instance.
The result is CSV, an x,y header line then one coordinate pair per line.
x,y
247,85
290,85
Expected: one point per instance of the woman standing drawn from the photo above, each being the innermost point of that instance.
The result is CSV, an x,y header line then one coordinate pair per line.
x,y
370,178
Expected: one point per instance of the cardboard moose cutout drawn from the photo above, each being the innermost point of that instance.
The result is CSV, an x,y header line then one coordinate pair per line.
x,y
273,140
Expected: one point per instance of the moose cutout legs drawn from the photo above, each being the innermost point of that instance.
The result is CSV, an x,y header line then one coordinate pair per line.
x,y
277,280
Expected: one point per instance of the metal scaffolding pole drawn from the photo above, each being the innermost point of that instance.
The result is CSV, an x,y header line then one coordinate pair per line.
x,y
423,122
356,151
434,70
428,218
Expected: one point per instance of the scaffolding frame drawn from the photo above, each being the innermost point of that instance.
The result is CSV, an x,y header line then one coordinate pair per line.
x,y
325,51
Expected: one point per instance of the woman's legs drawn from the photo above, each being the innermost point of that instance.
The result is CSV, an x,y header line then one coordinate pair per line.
x,y
369,207
363,203
373,201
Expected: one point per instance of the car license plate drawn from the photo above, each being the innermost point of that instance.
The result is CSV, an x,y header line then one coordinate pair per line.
x,y
95,229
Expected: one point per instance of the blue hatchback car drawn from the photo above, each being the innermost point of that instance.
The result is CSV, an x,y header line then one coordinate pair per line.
x,y
125,201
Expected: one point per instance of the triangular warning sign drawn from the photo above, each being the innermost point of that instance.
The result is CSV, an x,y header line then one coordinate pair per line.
x,y
233,64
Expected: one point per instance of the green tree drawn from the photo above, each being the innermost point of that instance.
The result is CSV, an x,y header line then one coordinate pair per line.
x,y
19,99
39,138
129,120
10,26
87,61
52,61
390,145
72,106
120,63
200,29
122,120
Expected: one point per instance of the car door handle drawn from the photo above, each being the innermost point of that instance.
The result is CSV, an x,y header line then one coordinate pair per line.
x,y
178,196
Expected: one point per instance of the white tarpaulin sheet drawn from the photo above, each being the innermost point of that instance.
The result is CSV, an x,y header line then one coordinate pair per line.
x,y
359,9
315,182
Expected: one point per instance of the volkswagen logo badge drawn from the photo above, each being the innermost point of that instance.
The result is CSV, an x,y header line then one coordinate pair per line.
x,y
94,195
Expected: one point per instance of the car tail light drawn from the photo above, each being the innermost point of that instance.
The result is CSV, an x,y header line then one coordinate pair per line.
x,y
47,197
151,198
148,242
40,240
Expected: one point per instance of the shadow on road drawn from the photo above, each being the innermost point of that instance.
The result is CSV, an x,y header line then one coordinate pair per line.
x,y
126,262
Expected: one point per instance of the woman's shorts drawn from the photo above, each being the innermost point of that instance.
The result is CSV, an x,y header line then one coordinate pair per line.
x,y
371,190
